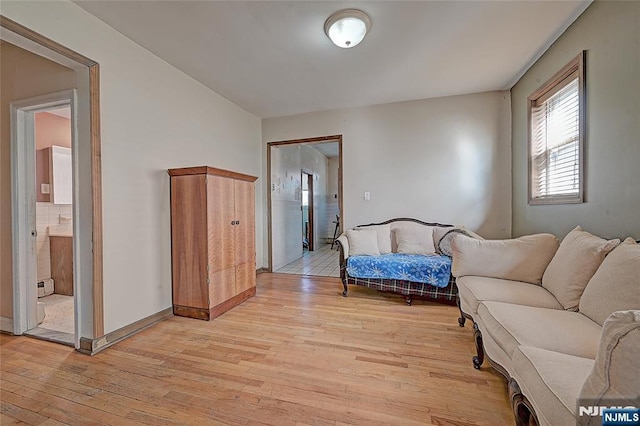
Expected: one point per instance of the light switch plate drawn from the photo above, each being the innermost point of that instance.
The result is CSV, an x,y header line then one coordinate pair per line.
x,y
44,188
367,195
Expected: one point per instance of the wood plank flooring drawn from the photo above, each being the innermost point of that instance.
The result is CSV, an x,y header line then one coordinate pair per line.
x,y
297,353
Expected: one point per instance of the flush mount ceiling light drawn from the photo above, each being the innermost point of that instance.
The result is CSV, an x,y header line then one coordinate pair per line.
x,y
346,28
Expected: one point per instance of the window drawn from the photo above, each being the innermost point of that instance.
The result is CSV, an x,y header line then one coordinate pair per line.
x,y
556,137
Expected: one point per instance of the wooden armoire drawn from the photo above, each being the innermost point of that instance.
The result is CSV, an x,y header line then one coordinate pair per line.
x,y
213,254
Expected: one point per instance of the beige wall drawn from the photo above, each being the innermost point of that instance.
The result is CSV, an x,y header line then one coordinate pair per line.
x,y
445,159
52,130
153,117
22,75
610,33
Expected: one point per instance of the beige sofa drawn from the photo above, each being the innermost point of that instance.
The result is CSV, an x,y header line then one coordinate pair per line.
x,y
560,321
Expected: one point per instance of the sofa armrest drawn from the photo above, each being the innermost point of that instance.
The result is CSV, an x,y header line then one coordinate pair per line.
x,y
344,244
520,259
614,378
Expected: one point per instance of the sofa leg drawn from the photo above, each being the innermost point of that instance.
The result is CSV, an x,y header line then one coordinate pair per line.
x,y
522,409
479,359
344,293
462,318
409,300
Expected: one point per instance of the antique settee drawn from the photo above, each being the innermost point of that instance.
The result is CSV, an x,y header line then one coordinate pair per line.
x,y
401,255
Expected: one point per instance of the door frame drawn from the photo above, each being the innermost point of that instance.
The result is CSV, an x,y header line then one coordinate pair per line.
x,y
23,148
305,141
91,307
309,174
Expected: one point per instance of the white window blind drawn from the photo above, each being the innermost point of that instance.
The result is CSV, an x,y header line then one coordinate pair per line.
x,y
555,131
556,112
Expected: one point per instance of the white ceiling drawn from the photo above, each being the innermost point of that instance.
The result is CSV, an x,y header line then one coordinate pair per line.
x,y
272,58
64,112
328,149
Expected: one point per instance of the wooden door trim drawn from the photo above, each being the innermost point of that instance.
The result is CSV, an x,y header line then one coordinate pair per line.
x,y
96,158
305,141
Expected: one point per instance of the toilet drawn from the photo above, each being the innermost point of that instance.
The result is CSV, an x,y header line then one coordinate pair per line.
x,y
45,288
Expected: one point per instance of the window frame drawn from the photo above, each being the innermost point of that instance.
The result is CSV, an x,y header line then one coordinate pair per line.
x,y
552,86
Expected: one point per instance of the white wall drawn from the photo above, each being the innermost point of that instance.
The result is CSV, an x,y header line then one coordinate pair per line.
x,y
610,33
287,162
286,216
154,117
445,159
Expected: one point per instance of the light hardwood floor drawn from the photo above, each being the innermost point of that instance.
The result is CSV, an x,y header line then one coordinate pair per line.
x,y
298,353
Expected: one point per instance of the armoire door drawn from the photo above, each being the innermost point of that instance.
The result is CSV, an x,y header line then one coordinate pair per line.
x,y
244,230
221,239
188,241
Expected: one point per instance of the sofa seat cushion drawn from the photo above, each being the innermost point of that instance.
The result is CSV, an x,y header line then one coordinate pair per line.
x,y
474,289
551,381
562,331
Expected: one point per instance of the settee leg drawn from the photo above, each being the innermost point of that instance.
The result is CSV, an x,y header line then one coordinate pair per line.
x,y
409,300
479,359
344,292
461,319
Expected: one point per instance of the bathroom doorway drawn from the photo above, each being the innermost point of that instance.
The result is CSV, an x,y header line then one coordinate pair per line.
x,y
25,81
45,128
54,225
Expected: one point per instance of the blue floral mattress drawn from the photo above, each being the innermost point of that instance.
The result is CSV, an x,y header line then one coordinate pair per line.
x,y
434,270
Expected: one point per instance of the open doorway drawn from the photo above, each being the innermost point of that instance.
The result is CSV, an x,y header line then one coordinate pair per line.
x,y
55,306
44,129
305,181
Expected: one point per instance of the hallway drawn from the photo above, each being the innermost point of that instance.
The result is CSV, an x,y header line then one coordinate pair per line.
x,y
323,262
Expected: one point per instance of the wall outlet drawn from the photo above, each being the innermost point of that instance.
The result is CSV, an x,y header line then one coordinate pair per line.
x,y
44,188
367,195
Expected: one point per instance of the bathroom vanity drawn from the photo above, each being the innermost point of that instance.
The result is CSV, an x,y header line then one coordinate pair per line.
x,y
61,248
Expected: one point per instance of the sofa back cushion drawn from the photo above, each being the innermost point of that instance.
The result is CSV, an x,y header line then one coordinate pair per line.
x,y
614,378
363,242
383,233
415,233
616,284
579,256
520,259
415,241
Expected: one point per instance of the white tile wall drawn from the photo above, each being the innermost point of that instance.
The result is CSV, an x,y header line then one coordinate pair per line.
x,y
47,214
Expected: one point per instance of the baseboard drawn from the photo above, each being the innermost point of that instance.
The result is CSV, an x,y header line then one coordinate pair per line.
x,y
93,346
6,325
261,271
